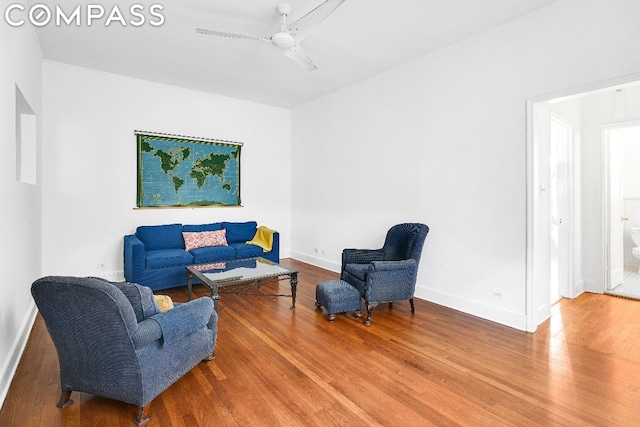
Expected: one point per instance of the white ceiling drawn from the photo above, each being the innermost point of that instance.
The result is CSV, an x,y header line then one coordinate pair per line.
x,y
360,39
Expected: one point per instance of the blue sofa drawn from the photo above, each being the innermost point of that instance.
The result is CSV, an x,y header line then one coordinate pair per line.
x,y
155,255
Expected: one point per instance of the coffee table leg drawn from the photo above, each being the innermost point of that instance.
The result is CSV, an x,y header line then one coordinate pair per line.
x,y
189,285
215,296
294,288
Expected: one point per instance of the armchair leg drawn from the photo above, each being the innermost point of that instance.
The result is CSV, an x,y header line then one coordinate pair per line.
x,y
142,418
367,321
65,399
413,309
370,307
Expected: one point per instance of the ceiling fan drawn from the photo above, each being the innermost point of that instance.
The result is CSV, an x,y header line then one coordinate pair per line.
x,y
289,36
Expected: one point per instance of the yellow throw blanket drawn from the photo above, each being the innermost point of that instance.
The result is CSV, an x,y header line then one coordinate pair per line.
x,y
263,238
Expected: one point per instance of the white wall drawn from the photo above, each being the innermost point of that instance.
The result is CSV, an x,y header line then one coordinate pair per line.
x,y
20,257
441,140
90,163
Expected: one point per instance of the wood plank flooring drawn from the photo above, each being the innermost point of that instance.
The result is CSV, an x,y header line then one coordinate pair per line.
x,y
437,367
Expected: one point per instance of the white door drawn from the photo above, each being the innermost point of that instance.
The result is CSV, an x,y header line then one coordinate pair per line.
x,y
559,142
615,201
550,198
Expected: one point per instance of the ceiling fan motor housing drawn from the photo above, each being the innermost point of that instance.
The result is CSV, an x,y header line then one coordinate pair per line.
x,y
283,40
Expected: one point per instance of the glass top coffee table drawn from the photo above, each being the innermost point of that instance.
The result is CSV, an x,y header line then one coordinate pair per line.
x,y
239,276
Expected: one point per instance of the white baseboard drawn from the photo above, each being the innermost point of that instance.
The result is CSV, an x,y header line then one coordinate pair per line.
x,y
593,286
474,308
543,312
317,261
10,366
485,311
578,288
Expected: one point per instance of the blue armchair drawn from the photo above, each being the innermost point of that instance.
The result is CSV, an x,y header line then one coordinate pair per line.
x,y
387,274
113,341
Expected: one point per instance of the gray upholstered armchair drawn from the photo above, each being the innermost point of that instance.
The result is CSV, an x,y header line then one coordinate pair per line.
x,y
387,274
112,340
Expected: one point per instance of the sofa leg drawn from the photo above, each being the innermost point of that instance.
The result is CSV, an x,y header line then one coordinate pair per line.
x,y
65,399
209,358
332,317
142,418
358,314
413,309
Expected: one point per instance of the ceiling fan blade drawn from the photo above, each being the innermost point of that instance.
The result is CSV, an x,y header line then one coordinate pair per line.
x,y
297,54
303,26
230,35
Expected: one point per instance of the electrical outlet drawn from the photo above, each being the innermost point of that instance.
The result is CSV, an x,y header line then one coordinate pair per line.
x,y
497,294
100,266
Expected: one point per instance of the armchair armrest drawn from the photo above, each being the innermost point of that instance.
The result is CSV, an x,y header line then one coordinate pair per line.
x,y
184,319
361,256
391,280
148,331
407,264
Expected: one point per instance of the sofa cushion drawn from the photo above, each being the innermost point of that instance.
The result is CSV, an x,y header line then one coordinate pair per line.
x,y
240,231
157,237
168,258
244,250
201,239
202,227
213,254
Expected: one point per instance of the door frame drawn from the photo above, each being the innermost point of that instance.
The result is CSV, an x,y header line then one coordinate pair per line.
x,y
539,217
606,194
535,264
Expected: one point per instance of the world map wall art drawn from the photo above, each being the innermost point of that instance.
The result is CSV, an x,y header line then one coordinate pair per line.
x,y
183,171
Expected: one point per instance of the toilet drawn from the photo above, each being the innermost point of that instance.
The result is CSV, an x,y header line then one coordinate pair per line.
x,y
635,236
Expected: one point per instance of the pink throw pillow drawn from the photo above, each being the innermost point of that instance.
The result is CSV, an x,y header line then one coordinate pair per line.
x,y
201,239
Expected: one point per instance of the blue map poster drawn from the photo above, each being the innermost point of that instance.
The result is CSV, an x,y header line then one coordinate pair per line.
x,y
178,171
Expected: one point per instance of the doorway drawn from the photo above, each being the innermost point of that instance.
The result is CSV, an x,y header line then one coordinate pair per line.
x,y
582,263
622,149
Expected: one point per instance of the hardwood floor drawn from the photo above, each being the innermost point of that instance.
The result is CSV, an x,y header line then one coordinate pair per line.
x,y
440,367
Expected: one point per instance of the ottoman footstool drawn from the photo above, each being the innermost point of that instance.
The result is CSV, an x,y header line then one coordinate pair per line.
x,y
337,296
